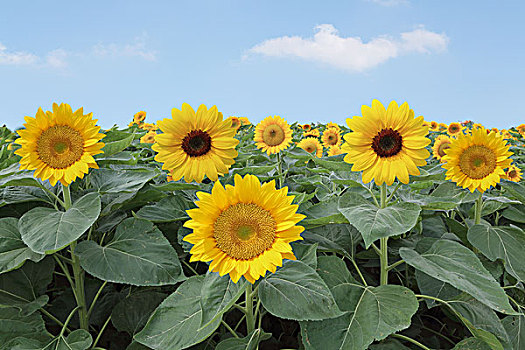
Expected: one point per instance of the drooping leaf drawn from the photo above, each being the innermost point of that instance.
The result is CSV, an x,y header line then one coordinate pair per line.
x,y
47,230
514,190
116,141
13,251
138,254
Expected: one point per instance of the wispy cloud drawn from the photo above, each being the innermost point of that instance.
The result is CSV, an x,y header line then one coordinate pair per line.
x,y
390,3
351,53
18,58
137,48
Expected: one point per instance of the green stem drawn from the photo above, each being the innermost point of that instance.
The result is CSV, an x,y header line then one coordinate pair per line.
x,y
280,167
95,299
64,327
100,333
227,326
248,310
67,197
54,196
394,265
393,192
383,242
54,319
478,207
359,272
413,341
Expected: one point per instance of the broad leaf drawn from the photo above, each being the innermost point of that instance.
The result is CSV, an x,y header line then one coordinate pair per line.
x,y
433,287
138,254
172,208
515,326
47,230
323,213
514,190
375,223
472,344
132,313
451,262
116,141
13,325
13,251
297,292
250,342
77,340
342,238
333,271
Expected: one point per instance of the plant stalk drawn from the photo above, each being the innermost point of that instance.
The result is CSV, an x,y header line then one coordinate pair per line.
x,y
477,209
383,242
248,310
280,167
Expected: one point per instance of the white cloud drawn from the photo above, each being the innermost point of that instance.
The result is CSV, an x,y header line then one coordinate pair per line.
x,y
390,3
8,57
57,58
136,49
351,53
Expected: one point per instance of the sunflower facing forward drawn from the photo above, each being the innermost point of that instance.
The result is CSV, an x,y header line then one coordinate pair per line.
x,y
311,145
59,145
244,230
272,135
194,145
454,129
477,161
331,137
513,173
386,143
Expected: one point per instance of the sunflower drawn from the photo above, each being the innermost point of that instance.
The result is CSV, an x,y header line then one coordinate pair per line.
x,y
442,126
495,130
148,126
331,137
149,137
245,229
139,117
236,122
333,125
454,129
386,143
194,145
311,145
513,173
59,145
312,133
334,150
521,129
477,161
272,135
441,143
306,127
434,126
244,121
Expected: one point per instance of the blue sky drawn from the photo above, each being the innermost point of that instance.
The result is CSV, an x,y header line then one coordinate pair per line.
x,y
303,60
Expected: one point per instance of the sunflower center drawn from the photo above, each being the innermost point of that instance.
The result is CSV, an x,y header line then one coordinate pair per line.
x,y
454,129
60,146
273,135
477,162
332,140
244,231
196,143
387,143
442,147
512,173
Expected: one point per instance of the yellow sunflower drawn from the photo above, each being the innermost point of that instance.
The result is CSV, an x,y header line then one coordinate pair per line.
x,y
148,126
513,173
495,130
386,143
333,125
272,135
434,126
139,117
149,137
244,121
236,122
334,150
331,137
194,145
59,145
477,161
306,127
455,129
312,133
441,143
442,126
311,145
521,129
244,230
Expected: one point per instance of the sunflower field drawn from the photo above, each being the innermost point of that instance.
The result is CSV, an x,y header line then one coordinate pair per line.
x,y
201,231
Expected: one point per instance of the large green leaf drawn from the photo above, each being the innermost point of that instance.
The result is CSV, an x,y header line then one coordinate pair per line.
x,y
132,313
333,271
116,141
77,340
13,325
451,262
175,323
501,242
515,213
47,230
323,213
371,313
433,287
138,254
297,292
25,288
218,294
13,251
515,326
472,344
342,238
374,222
172,208
250,342
514,190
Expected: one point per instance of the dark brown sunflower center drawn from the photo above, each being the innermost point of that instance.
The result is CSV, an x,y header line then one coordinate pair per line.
x,y
196,143
477,162
387,143
60,146
512,173
454,129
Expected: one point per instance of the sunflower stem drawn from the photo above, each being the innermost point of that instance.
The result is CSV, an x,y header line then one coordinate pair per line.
x,y
477,209
248,310
78,273
383,242
280,167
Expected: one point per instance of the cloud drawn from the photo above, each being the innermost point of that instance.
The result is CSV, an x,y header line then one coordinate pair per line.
x,y
135,49
351,53
57,58
390,3
16,57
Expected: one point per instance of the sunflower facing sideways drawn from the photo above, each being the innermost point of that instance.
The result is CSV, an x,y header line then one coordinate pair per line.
x,y
149,137
477,161
272,135
331,137
60,144
513,173
386,143
194,145
311,145
245,229
441,143
434,126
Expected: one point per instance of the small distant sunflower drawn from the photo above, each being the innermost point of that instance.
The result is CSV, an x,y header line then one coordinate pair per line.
x,y
149,137
59,145
441,143
513,173
272,135
521,129
442,126
333,125
454,129
311,145
306,127
236,122
434,126
139,117
312,133
331,137
477,161
386,143
244,121
195,145
495,130
148,126
245,229
334,150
